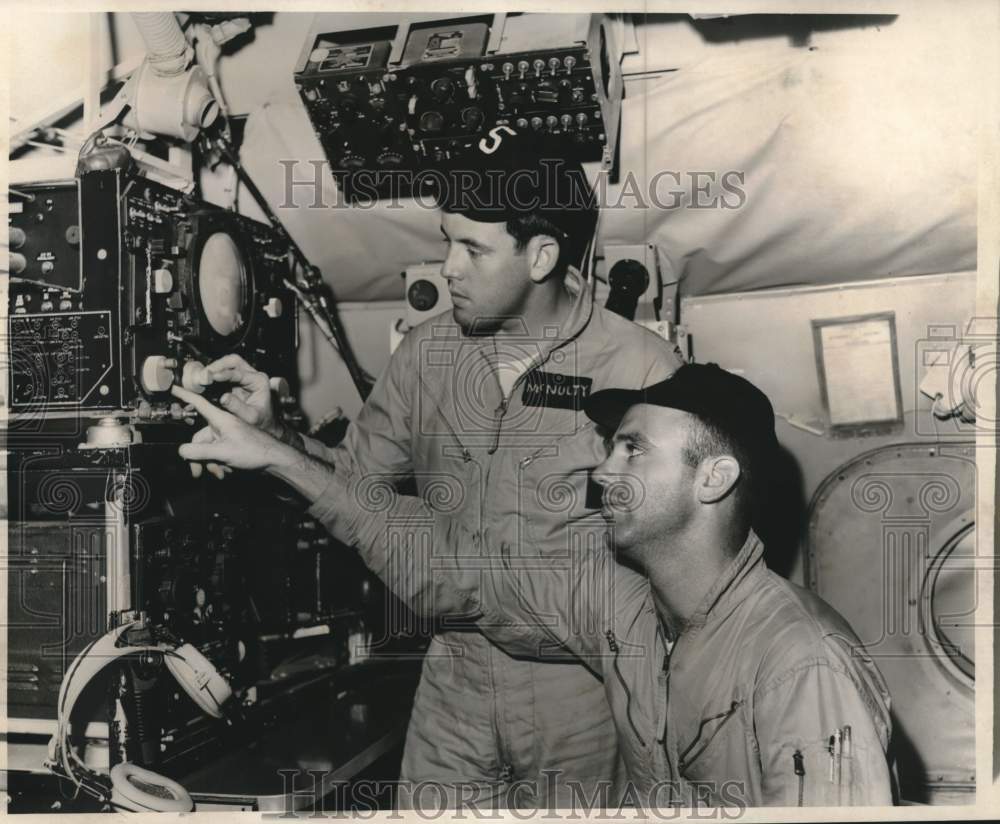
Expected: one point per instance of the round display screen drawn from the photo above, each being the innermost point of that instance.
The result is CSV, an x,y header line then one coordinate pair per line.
x,y
222,284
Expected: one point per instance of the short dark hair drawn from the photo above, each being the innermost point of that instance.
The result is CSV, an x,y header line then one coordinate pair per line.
x,y
572,240
524,227
707,440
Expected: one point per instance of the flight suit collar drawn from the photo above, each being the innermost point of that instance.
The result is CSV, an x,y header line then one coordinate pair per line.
x,y
570,327
733,586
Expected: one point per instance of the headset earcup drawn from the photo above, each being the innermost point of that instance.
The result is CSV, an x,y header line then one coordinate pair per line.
x,y
137,789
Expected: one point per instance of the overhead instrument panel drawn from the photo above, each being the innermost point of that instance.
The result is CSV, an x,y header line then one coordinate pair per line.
x,y
390,102
892,548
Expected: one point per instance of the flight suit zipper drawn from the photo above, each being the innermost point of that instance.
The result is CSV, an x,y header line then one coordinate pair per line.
x,y
665,672
463,450
506,768
501,410
613,646
503,757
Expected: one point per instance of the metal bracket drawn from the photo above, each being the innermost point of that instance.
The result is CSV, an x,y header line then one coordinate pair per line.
x,y
399,43
496,33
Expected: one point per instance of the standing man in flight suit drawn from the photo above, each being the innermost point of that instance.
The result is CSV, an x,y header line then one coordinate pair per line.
x,y
484,410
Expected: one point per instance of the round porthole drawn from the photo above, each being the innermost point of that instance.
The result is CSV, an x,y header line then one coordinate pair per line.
x,y
948,600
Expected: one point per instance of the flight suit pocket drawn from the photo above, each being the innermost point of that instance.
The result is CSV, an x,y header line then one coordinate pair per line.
x,y
555,490
820,774
714,738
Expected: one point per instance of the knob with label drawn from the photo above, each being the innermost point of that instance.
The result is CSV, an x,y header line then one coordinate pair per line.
x,y
274,308
194,377
163,281
443,88
431,121
157,373
280,387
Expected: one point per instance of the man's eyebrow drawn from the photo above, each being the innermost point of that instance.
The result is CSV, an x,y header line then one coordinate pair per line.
x,y
467,241
634,437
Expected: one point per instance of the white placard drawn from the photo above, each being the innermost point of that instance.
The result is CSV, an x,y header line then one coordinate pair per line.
x,y
858,369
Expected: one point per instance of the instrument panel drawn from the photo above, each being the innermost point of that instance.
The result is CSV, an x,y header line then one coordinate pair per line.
x,y
381,124
120,280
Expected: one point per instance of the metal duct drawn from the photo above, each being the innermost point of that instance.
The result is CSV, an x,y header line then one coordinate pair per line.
x,y
165,42
167,97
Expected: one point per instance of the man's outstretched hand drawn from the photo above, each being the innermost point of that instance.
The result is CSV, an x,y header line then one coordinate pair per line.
x,y
228,442
250,398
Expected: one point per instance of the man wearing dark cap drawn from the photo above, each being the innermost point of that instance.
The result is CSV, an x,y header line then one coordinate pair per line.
x,y
729,686
483,408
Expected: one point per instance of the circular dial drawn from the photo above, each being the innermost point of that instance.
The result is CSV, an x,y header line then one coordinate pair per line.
x,y
423,295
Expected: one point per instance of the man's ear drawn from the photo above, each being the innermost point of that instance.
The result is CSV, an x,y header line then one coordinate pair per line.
x,y
716,478
543,254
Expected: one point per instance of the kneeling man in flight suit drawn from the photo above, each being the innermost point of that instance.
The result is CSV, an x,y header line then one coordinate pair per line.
x,y
728,685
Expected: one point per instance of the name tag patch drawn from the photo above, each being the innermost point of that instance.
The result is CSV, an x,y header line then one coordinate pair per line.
x,y
555,391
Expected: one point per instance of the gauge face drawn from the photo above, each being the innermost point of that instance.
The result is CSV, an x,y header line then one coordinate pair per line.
x,y
423,295
222,284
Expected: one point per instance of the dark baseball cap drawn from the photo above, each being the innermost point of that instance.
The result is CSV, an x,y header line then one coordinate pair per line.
x,y
729,402
510,172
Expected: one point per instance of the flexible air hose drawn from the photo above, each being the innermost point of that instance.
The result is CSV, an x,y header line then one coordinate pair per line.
x,y
167,46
